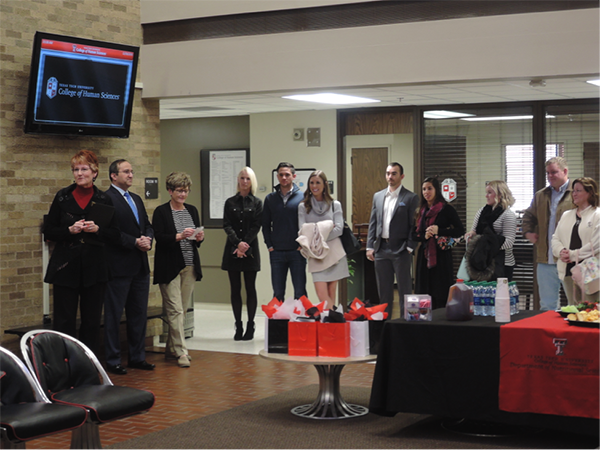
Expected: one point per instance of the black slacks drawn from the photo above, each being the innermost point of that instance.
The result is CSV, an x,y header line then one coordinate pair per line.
x,y
90,301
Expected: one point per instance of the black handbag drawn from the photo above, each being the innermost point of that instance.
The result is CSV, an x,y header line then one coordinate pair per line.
x,y
349,242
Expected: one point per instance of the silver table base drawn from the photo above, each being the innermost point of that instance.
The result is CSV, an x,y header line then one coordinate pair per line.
x,y
329,403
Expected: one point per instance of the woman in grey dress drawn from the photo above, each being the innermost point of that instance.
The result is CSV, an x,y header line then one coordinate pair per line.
x,y
328,262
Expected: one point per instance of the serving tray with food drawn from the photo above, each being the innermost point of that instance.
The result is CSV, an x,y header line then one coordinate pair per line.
x,y
583,314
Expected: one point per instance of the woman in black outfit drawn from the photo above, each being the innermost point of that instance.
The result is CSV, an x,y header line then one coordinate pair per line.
x,y
78,268
242,217
435,218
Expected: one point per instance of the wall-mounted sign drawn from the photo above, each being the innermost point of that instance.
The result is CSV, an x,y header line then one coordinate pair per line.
x,y
151,188
449,189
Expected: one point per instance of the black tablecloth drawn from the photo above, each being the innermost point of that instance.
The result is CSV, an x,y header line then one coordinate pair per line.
x,y
449,369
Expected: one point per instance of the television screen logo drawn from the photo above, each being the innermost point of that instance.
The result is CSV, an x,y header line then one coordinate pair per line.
x,y
449,189
51,87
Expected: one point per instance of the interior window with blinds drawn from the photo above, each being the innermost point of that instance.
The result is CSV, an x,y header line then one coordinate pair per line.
x,y
577,127
519,171
478,138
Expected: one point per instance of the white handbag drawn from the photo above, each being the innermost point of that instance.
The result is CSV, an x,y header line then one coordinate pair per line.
x,y
586,274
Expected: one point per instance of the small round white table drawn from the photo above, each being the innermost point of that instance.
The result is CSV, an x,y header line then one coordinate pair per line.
x,y
329,403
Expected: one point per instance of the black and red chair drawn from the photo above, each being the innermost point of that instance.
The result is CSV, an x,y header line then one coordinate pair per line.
x,y
25,412
70,374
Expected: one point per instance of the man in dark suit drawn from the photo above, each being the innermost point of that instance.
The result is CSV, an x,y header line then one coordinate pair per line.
x,y
389,242
130,285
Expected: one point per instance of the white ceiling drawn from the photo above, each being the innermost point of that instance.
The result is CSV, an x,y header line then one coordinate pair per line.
x,y
394,95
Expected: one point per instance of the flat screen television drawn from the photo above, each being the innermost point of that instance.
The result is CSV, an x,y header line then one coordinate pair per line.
x,y
80,87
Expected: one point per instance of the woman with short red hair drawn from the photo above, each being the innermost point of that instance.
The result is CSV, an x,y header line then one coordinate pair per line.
x,y
78,268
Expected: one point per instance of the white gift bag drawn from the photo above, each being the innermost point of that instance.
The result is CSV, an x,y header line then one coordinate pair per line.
x,y
359,338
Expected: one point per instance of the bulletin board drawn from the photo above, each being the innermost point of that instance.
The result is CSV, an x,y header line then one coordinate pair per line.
x,y
218,173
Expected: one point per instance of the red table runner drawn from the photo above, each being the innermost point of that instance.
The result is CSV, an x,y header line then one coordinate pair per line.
x,y
549,367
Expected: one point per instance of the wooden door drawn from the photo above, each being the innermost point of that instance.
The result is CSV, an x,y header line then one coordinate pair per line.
x,y
368,177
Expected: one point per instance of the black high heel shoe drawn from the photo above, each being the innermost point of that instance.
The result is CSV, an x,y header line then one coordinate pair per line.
x,y
249,335
239,331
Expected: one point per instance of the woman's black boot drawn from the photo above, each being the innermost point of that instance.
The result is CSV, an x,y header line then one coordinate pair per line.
x,y
249,335
239,331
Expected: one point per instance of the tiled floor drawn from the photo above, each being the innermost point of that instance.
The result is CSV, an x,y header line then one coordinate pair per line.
x,y
224,374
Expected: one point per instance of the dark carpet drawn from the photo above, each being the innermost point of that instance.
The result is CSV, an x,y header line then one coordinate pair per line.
x,y
269,424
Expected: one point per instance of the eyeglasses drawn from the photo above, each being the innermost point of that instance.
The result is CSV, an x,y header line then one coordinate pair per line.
x,y
182,191
126,172
83,170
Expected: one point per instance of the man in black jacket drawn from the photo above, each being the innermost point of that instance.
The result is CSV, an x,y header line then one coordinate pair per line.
x,y
130,285
280,229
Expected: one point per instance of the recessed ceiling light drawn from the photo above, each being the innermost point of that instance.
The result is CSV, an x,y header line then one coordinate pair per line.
x,y
537,82
441,114
594,82
331,99
481,119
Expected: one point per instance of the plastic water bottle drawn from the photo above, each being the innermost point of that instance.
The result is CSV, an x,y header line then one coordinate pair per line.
x,y
476,298
514,297
483,298
492,307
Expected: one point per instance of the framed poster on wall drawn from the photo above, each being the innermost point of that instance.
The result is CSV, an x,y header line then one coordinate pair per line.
x,y
218,173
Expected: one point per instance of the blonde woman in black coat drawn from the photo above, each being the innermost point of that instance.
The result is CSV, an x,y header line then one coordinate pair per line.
x,y
242,218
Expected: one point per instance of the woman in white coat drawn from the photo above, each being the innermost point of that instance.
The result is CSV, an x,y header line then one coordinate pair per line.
x,y
577,236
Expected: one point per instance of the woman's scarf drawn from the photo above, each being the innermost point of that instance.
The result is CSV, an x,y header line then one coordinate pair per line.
x,y
426,219
487,218
318,207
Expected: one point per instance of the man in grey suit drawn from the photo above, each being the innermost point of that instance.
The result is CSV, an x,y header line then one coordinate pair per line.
x,y
389,242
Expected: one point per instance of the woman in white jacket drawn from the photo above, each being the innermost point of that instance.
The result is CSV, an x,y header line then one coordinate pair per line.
x,y
577,236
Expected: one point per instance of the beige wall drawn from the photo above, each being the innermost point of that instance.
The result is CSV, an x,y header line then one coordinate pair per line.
x,y
33,168
478,48
159,11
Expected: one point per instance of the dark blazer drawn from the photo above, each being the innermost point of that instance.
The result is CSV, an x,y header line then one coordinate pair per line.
x,y
78,259
168,258
242,219
126,259
401,224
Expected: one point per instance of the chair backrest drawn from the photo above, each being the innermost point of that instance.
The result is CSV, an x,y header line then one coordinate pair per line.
x,y
58,361
17,385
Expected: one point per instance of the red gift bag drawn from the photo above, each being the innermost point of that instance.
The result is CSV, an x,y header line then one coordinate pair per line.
x,y
334,339
302,339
